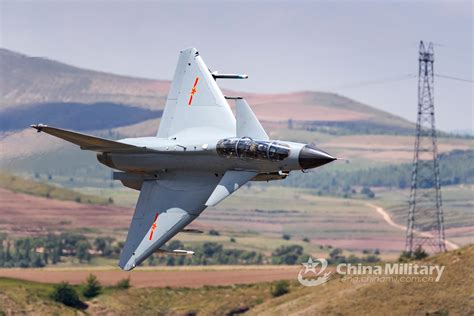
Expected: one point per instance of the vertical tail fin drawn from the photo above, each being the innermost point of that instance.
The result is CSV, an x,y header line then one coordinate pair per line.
x,y
247,122
195,101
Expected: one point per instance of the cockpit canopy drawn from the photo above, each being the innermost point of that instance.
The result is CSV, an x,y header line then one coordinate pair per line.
x,y
246,147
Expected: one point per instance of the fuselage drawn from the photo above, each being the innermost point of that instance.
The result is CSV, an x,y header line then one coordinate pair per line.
x,y
271,159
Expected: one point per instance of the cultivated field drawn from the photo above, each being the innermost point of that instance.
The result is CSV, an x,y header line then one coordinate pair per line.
x,y
27,215
186,276
452,295
256,217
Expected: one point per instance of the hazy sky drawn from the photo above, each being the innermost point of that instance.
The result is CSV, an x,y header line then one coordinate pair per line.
x,y
339,46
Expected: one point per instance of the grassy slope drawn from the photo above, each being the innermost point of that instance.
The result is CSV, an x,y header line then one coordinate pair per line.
x,y
457,207
24,297
18,184
27,297
451,295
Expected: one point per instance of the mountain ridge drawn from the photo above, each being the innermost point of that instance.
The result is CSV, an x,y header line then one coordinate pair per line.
x,y
26,80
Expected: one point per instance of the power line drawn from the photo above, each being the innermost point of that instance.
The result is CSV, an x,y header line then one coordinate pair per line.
x,y
375,82
454,78
362,84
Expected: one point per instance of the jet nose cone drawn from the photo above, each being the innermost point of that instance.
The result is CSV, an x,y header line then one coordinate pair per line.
x,y
311,157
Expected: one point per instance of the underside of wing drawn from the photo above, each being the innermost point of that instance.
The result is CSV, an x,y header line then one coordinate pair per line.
x,y
195,104
88,142
165,207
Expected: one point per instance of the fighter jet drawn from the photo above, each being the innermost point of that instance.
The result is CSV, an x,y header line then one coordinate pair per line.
x,y
200,155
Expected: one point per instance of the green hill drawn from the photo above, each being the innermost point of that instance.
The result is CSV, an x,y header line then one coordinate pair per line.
x,y
28,80
18,184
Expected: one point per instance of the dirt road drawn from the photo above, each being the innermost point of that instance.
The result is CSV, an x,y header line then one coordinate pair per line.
x,y
449,244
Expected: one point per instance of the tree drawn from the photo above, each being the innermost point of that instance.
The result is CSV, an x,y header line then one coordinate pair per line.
x,y
290,124
64,293
38,262
104,245
175,244
100,243
210,249
213,232
335,252
420,253
280,288
92,288
335,256
368,192
287,254
371,258
82,250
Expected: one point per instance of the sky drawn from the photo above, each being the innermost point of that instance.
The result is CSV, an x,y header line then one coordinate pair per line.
x,y
365,50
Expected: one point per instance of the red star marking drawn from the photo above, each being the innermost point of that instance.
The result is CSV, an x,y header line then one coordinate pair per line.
x,y
193,91
153,227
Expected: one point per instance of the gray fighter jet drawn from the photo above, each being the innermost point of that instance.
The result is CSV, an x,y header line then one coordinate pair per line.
x,y
201,154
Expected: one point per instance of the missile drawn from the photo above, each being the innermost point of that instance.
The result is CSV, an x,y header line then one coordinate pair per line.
x,y
217,75
176,252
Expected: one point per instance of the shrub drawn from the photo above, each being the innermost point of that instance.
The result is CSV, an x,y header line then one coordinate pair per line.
x,y
419,253
367,192
405,256
124,284
286,237
92,288
288,254
335,252
306,239
280,288
64,293
213,232
232,239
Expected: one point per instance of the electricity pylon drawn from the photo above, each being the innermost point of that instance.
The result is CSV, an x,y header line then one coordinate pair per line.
x,y
425,214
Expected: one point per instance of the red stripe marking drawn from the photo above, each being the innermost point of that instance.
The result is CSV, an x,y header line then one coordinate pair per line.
x,y
153,227
193,91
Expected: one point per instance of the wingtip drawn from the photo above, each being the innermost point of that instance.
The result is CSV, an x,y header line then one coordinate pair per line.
x,y
38,127
127,267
